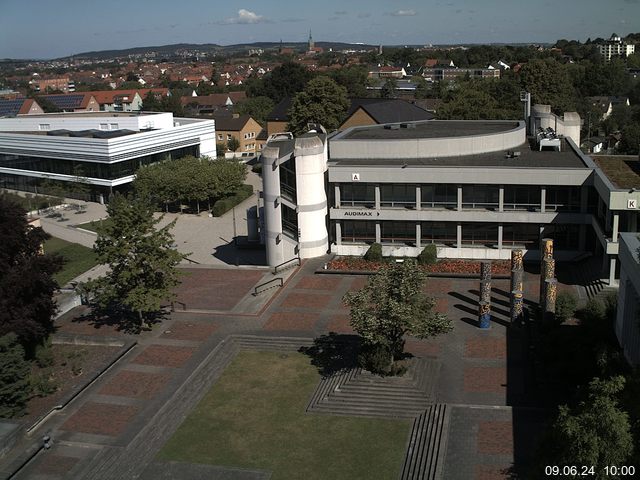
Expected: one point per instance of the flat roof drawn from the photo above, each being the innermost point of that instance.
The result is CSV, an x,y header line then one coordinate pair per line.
x,y
90,114
528,158
429,129
622,170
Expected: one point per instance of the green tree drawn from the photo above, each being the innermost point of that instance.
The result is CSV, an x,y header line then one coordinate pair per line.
x,y
150,103
391,305
389,88
141,258
283,81
80,184
26,278
630,141
549,83
322,101
596,432
14,377
257,108
233,144
353,78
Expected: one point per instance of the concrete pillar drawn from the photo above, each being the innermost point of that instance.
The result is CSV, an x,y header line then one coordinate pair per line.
x,y
517,280
378,232
459,236
485,291
517,307
501,199
543,199
418,234
272,206
485,270
377,197
517,259
338,233
418,198
616,226
547,271
500,231
551,293
336,194
484,315
612,271
459,198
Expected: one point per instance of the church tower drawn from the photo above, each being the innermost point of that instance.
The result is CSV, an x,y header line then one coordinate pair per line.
x,y
311,43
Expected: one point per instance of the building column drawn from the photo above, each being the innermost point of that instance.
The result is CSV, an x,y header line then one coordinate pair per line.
x,y
459,205
459,236
337,195
378,233
616,225
584,199
543,199
582,238
377,197
418,234
338,233
612,271
418,198
501,198
500,236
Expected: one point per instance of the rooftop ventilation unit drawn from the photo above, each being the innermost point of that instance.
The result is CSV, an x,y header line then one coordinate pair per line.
x,y
408,125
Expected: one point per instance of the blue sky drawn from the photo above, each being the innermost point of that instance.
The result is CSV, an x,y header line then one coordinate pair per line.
x,y
49,29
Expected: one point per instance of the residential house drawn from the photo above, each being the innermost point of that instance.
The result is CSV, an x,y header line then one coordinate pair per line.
x,y
606,104
376,111
63,84
615,47
19,106
209,104
387,72
241,127
73,102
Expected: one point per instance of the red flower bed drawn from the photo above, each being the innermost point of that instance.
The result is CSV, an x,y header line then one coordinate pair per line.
x,y
468,267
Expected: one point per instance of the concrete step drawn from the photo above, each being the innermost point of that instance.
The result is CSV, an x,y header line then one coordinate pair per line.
x,y
427,445
359,411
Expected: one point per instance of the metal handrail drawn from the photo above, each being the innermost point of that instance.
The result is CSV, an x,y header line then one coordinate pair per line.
x,y
279,279
295,259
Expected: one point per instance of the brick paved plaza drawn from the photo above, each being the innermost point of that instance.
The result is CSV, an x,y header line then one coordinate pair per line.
x,y
483,375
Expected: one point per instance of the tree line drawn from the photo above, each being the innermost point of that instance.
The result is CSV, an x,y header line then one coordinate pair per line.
x,y
189,179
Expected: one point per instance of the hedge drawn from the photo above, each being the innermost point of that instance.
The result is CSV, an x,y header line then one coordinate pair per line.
x,y
225,204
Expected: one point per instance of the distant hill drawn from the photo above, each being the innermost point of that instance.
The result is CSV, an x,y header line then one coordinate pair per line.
x,y
212,48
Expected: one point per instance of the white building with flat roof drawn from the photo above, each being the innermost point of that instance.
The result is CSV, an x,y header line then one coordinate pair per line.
x,y
107,148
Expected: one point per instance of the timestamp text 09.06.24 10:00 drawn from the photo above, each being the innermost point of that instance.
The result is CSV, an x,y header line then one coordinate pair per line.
x,y
589,471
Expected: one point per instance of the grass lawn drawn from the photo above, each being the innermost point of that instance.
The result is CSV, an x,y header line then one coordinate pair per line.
x,y
78,258
254,417
93,225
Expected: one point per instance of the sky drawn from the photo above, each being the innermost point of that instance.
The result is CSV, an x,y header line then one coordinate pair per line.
x,y
50,29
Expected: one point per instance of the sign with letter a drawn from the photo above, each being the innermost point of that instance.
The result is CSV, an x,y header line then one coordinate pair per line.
x,y
355,177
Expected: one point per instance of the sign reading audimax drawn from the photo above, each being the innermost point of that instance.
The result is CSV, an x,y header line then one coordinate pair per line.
x,y
360,213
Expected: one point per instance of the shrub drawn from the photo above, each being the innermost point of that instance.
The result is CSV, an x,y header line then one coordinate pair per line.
x,y
374,254
257,168
14,377
566,304
375,358
225,204
428,255
43,384
44,355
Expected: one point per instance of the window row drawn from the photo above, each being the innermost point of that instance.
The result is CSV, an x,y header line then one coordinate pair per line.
x,y
516,197
109,171
446,233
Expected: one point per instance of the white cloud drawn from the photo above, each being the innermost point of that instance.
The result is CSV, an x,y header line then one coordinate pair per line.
x,y
245,17
403,13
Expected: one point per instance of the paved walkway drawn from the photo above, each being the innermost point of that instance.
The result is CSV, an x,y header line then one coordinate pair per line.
x,y
116,427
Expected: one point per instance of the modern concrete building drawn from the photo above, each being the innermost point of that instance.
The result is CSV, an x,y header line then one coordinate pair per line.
x,y
615,47
475,189
106,148
628,314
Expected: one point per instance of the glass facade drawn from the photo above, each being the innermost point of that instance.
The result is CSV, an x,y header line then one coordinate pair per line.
x,y
288,184
441,233
522,197
289,222
358,195
106,171
398,232
481,196
563,199
358,232
439,196
524,235
398,195
484,234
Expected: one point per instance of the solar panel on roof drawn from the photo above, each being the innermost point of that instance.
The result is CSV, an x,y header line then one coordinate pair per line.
x,y
10,108
66,101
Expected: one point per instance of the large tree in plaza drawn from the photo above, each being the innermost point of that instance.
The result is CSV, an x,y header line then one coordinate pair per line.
x,y
26,282
141,258
390,306
322,101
